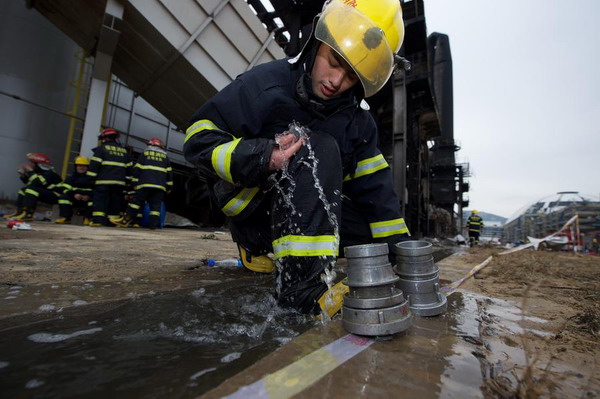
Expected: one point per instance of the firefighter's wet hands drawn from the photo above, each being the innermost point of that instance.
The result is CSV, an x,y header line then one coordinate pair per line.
x,y
287,146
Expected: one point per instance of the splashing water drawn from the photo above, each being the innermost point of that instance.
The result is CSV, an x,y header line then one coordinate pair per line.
x,y
328,276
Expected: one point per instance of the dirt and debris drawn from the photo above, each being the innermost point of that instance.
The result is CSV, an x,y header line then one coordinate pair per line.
x,y
558,294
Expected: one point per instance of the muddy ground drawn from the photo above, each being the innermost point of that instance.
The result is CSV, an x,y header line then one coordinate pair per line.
x,y
58,266
558,287
55,267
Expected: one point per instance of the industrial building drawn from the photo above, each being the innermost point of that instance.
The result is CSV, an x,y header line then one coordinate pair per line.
x,y
549,214
144,66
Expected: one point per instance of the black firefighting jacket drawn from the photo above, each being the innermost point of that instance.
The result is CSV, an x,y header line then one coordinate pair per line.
x,y
43,178
475,223
232,135
153,170
110,164
78,183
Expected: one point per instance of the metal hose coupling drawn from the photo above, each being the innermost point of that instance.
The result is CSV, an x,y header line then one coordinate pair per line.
x,y
419,278
374,306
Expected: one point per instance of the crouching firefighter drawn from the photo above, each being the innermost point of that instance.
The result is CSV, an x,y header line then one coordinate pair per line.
x,y
76,193
109,168
152,178
41,185
288,193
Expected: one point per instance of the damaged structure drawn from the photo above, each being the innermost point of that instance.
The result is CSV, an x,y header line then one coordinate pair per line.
x,y
547,215
143,67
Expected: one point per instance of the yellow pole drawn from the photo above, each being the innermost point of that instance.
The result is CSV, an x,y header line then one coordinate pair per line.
x,y
73,113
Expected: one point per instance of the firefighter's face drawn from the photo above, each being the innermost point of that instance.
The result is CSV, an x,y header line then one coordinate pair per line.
x,y
81,168
331,75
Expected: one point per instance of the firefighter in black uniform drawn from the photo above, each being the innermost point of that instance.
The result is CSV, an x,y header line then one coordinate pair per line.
x,y
152,178
288,193
474,226
25,173
76,193
110,169
41,185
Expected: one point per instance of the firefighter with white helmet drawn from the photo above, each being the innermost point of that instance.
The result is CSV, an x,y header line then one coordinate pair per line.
x,y
286,194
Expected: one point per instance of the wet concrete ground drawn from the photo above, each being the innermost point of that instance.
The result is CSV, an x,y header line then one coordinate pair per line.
x,y
449,356
89,313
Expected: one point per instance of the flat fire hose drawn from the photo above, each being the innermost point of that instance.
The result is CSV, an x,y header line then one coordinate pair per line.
x,y
304,372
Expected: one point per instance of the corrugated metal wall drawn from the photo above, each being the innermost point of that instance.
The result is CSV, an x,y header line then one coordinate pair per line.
x,y
36,64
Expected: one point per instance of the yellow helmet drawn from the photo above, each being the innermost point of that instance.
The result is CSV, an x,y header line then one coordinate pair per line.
x,y
367,34
474,211
82,161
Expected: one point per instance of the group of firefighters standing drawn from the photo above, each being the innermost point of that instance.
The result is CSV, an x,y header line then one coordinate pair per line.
x,y
109,189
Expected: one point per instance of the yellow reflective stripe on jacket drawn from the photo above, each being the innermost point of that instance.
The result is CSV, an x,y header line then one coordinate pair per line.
x,y
38,176
96,159
113,163
32,192
134,206
221,159
67,186
154,213
151,167
388,228
197,127
292,245
150,186
92,174
64,202
117,182
238,203
368,166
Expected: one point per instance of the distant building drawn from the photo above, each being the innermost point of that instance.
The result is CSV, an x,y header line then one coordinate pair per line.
x,y
549,214
493,225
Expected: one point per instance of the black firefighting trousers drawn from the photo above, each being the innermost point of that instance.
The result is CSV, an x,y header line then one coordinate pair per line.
x,y
295,206
35,194
66,204
473,238
108,201
154,197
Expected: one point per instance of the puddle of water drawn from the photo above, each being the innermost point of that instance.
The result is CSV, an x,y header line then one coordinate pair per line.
x,y
176,345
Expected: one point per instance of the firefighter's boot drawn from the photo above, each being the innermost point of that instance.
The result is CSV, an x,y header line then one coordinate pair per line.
x,y
332,300
14,214
62,220
25,216
123,221
259,264
87,221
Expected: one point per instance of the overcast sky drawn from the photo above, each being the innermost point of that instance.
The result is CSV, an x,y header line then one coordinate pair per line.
x,y
526,96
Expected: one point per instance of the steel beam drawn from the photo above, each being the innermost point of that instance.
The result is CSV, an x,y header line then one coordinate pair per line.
x,y
107,43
